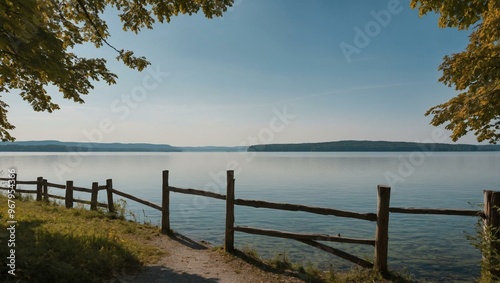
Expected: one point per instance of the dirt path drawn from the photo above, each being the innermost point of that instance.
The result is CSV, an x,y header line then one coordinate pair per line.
x,y
189,261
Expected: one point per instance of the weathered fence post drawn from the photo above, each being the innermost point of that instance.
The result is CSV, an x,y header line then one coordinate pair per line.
x,y
165,204
492,230
229,239
69,194
495,225
39,184
487,206
109,190
45,190
93,196
486,224
382,230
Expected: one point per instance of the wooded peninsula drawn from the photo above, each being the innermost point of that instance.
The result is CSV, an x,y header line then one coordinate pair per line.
x,y
373,146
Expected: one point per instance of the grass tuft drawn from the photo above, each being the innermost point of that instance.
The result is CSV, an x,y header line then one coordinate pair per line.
x,y
485,238
281,263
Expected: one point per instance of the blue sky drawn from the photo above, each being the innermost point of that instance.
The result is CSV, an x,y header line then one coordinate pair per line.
x,y
223,81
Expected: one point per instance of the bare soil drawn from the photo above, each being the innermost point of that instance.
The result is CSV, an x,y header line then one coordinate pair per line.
x,y
194,262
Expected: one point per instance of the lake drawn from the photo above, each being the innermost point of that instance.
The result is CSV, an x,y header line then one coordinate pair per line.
x,y
429,247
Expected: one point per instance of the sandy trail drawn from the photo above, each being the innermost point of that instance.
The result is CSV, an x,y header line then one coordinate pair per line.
x,y
193,262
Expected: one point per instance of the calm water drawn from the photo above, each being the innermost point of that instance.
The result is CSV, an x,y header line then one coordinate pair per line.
x,y
428,247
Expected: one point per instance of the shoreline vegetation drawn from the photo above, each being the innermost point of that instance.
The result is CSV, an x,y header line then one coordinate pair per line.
x,y
334,146
56,244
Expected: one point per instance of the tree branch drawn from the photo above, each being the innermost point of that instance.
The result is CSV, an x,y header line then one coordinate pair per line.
x,y
80,3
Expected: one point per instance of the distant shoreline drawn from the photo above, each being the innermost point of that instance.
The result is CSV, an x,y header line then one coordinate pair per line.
x,y
371,146
336,146
58,146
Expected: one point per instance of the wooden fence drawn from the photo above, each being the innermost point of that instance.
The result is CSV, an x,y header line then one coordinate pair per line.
x,y
42,193
490,214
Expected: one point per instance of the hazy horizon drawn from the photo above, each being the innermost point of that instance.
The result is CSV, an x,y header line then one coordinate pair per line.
x,y
233,146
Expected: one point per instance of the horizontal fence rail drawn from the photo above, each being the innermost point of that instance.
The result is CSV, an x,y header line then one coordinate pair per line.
x,y
21,182
197,193
83,190
136,199
339,253
303,236
22,191
56,185
456,212
304,208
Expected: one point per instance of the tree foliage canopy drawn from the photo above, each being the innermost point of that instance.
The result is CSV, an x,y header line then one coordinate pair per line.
x,y
37,37
474,72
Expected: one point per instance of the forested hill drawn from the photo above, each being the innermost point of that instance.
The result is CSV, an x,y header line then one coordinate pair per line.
x,y
372,146
57,146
